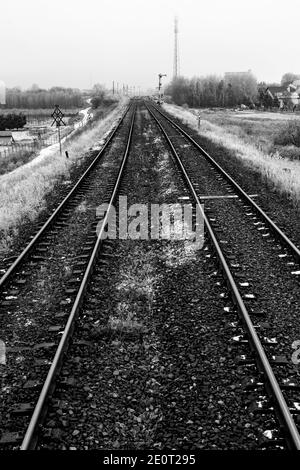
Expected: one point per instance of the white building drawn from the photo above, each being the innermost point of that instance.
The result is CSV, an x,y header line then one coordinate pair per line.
x,y
6,138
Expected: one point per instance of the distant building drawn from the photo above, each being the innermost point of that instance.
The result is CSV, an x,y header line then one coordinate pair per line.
x,y
2,93
288,95
276,91
6,138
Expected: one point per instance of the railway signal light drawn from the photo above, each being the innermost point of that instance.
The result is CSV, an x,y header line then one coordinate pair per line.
x,y
160,75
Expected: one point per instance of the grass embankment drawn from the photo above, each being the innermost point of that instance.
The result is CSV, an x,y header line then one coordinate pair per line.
x,y
256,139
23,191
14,160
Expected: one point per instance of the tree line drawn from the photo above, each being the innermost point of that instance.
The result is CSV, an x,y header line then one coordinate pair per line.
x,y
233,89
12,121
37,98
213,91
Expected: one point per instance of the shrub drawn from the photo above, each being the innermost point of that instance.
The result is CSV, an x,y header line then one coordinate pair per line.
x,y
15,159
289,135
289,151
103,100
12,121
168,99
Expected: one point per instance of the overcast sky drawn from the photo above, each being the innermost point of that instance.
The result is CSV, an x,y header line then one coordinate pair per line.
x,y
79,43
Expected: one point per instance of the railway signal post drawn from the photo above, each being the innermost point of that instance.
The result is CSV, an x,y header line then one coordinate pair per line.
x,y
58,120
160,75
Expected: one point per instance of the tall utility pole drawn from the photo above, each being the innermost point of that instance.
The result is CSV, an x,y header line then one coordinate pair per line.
x,y
176,54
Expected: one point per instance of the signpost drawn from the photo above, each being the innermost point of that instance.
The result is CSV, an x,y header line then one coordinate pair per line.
x,y
58,120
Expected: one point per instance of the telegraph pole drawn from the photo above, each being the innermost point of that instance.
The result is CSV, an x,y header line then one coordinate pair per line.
x,y
176,54
113,87
58,128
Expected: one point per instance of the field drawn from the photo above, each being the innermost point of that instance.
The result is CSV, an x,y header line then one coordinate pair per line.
x,y
251,136
256,128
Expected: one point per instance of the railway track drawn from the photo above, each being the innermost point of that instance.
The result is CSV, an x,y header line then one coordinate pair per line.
x,y
60,212
32,259
232,277
267,378
86,272
234,189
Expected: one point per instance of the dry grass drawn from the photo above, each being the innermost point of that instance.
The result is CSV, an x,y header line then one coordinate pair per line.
x,y
163,173
136,287
14,160
23,191
256,128
124,321
255,149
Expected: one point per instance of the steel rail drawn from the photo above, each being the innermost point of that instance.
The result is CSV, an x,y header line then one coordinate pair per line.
x,y
284,415
30,439
15,265
276,230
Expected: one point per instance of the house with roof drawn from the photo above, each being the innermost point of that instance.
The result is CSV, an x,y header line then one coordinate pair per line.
x,y
6,138
288,95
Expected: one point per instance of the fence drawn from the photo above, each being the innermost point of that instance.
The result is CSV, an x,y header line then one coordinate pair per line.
x,y
44,141
36,144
